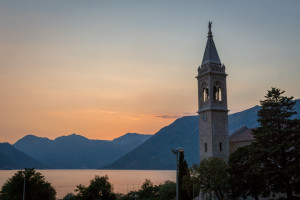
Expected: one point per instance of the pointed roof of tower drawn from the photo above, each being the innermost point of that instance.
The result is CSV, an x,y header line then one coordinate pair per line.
x,y
211,53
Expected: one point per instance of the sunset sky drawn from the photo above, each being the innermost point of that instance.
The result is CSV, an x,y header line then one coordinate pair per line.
x,y
104,68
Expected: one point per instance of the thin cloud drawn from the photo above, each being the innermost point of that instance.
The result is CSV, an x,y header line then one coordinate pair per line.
x,y
170,116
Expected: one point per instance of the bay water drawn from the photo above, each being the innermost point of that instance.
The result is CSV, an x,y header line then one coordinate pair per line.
x,y
123,181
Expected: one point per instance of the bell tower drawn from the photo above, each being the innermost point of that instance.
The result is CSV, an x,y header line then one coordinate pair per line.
x,y
212,103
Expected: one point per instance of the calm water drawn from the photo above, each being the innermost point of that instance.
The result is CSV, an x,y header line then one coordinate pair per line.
x,y
65,181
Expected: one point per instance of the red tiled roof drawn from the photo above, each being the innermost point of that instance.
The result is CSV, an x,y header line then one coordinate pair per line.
x,y
242,135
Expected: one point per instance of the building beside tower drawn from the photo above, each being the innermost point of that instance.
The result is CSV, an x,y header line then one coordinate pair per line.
x,y
212,103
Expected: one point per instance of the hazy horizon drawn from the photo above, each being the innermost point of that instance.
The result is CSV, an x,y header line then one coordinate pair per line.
x,y
101,69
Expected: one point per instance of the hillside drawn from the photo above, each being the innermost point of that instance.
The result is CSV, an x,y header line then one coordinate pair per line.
x,y
77,152
247,118
11,158
156,152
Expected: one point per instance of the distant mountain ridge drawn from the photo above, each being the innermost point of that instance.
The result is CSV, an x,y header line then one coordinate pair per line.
x,y
130,151
11,158
155,153
131,138
78,152
246,118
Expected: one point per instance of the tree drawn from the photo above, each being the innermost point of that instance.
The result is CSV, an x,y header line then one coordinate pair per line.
x,y
185,188
35,187
277,142
246,178
99,188
148,190
167,190
70,196
129,196
212,176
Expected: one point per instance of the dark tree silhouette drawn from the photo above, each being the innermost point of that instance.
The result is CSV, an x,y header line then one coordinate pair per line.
x,y
246,178
212,177
277,143
35,187
183,173
99,188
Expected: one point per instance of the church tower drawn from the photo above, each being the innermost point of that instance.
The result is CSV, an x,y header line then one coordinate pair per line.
x,y
212,102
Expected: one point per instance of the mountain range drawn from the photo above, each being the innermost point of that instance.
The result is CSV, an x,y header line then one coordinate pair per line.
x,y
77,152
130,151
11,158
156,153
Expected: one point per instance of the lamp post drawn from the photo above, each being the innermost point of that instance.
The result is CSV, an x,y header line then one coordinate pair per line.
x,y
175,152
24,185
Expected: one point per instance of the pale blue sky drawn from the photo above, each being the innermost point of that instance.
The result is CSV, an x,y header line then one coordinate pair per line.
x,y
135,60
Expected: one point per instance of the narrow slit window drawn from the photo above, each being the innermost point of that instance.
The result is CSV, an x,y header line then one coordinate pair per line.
x,y
205,146
220,146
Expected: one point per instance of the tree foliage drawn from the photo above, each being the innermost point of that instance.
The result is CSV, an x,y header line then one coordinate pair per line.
x,y
148,191
271,163
99,189
35,187
185,188
69,196
212,176
167,190
277,142
246,177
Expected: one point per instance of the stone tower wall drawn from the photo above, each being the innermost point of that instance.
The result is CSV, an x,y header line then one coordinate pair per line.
x,y
212,102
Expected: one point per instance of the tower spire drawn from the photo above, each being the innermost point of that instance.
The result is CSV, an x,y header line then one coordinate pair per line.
x,y
211,54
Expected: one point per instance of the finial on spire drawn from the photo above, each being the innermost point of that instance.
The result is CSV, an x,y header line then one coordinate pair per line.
x,y
209,28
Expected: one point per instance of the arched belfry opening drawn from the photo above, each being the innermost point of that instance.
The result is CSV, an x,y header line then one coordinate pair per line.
x,y
212,101
217,91
205,94
220,94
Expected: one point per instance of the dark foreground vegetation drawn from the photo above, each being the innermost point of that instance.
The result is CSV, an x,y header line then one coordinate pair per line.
x,y
268,167
100,188
37,187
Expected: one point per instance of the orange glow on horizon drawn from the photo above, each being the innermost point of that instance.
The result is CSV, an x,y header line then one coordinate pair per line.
x,y
105,68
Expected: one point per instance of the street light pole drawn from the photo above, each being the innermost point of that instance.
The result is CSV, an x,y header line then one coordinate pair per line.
x,y
177,184
176,151
24,186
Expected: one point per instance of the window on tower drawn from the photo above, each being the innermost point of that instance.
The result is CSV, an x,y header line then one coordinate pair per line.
x,y
205,94
217,92
205,146
220,94
220,146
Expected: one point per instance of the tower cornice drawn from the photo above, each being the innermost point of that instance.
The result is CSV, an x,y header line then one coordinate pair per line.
x,y
211,68
212,109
